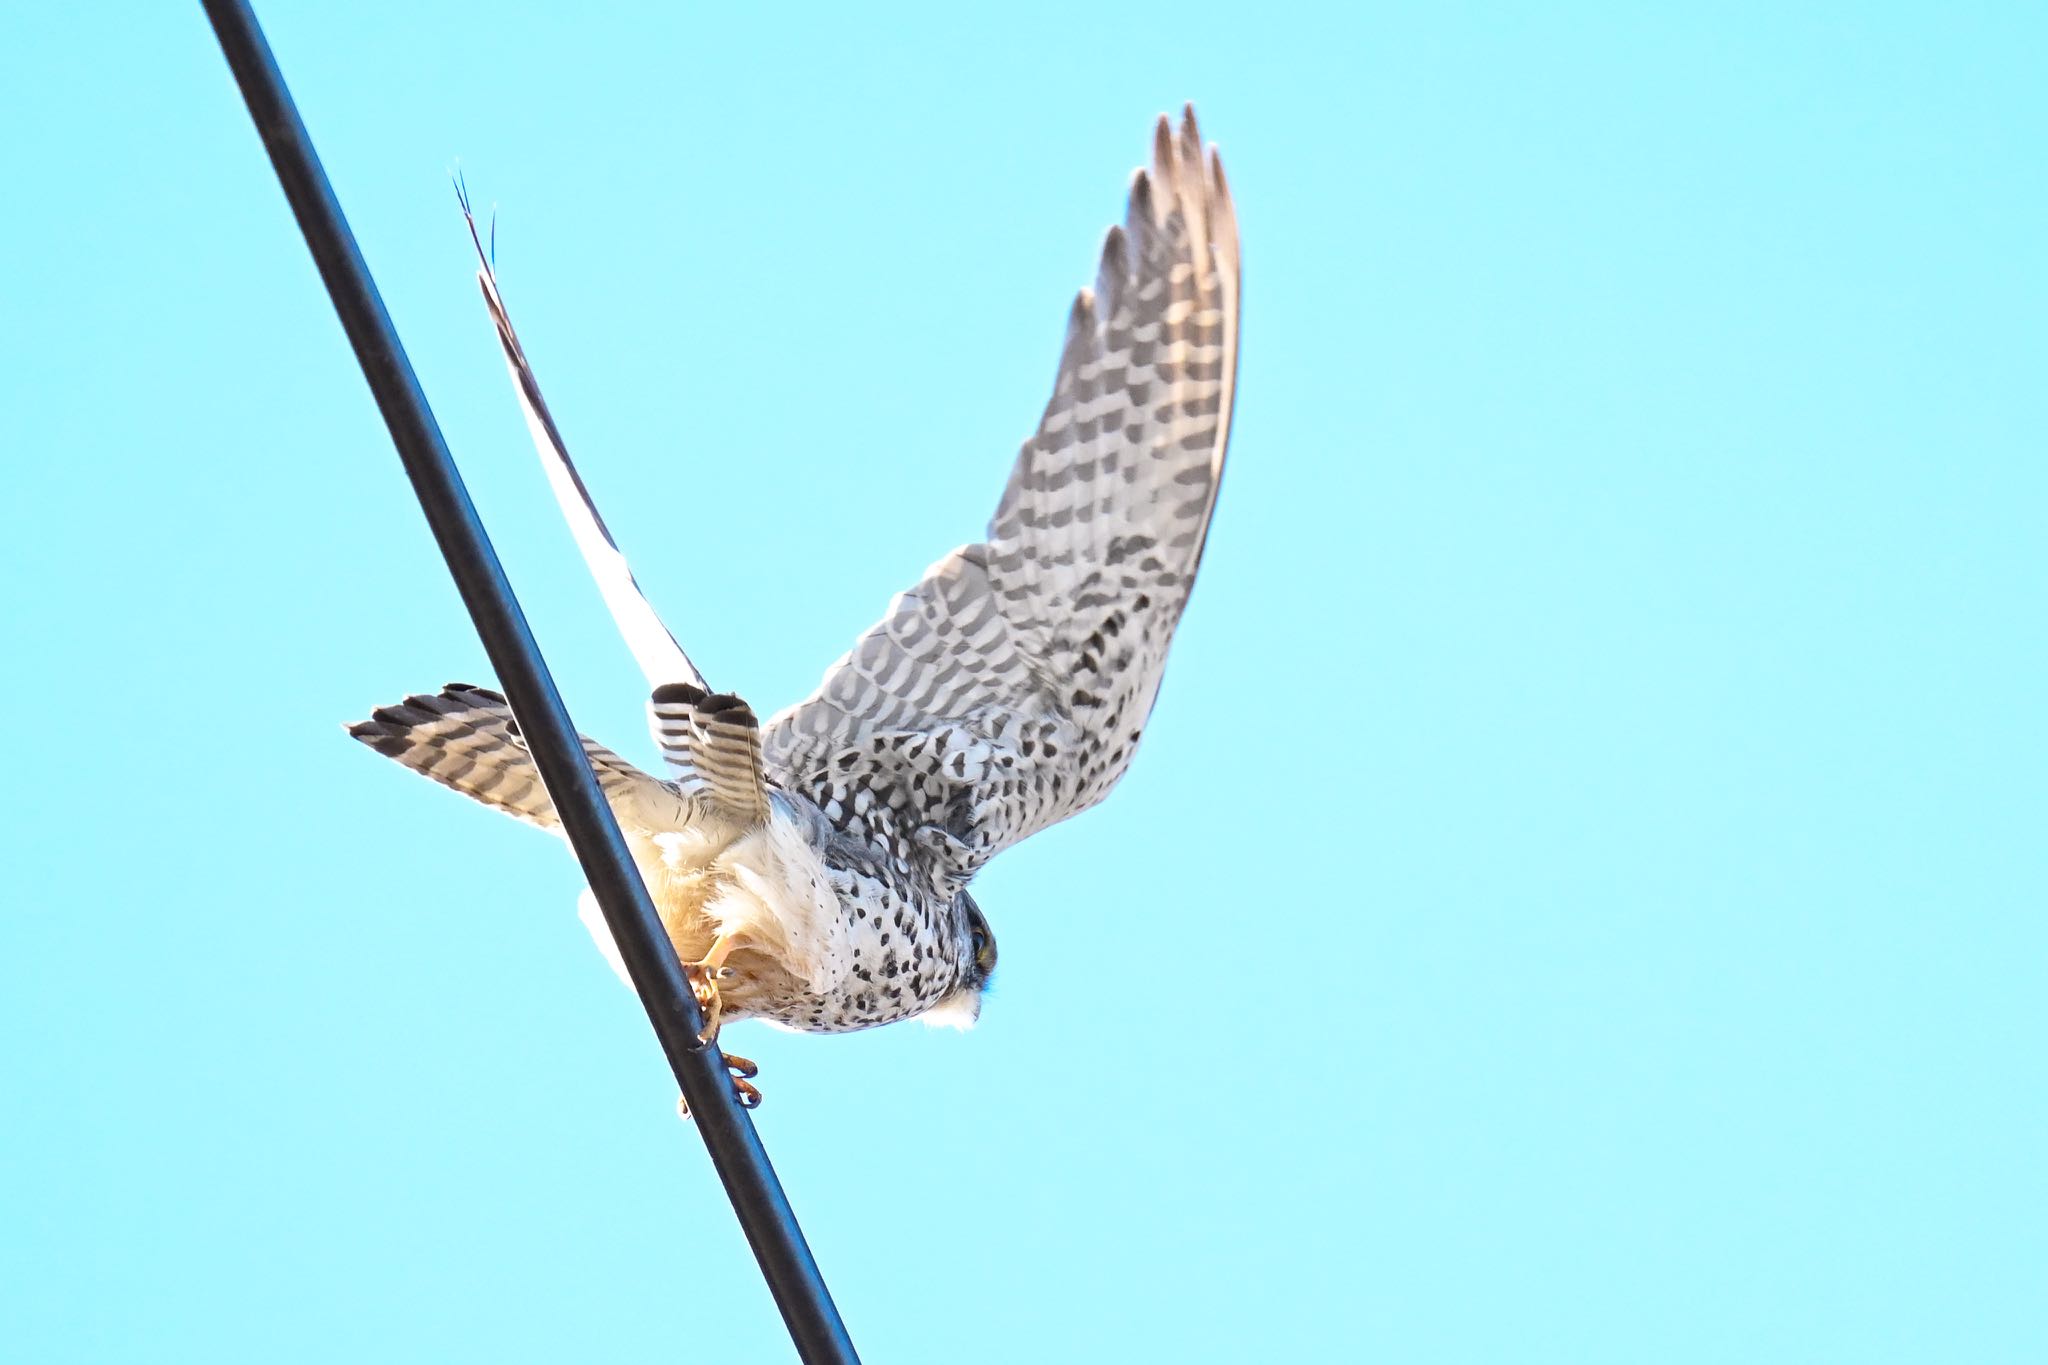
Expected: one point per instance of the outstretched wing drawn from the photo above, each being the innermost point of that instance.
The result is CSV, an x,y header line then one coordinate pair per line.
x,y
660,658
467,739
1008,689
711,742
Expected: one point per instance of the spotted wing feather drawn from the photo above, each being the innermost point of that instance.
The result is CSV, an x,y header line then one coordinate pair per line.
x,y
1007,690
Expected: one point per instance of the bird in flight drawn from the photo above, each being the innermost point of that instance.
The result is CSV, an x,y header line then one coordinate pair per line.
x,y
813,872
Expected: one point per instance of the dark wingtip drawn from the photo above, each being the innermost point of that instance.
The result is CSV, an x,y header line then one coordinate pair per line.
x,y
728,708
679,693
392,722
469,221
386,738
1140,211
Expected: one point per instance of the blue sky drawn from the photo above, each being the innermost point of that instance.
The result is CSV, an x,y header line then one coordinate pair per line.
x,y
1581,897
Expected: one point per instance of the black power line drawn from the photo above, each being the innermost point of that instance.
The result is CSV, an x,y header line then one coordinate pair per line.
x,y
735,1148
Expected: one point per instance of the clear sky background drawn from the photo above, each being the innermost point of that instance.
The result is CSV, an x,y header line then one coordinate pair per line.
x,y
1582,895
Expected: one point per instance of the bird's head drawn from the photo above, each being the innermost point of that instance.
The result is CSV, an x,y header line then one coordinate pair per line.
x,y
962,1006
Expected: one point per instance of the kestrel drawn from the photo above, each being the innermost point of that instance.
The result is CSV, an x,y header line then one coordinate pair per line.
x,y
813,872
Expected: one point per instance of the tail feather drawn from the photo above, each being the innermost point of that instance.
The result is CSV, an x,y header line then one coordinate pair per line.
x,y
713,744
467,740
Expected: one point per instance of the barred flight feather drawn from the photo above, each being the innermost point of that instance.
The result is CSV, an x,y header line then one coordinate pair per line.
x,y
1009,688
466,739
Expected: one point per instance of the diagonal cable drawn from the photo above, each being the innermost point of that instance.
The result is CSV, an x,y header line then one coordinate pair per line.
x,y
736,1151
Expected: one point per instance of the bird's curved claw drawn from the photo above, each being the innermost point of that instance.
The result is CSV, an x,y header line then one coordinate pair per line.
x,y
704,985
742,1071
704,977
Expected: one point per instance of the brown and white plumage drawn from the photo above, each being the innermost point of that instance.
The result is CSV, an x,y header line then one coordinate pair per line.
x,y
1005,691
466,739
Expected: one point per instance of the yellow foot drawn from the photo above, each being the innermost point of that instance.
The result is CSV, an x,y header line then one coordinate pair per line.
x,y
704,977
742,1073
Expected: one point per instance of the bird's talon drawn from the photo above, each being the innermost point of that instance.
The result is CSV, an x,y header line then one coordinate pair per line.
x,y
704,977
747,1094
705,988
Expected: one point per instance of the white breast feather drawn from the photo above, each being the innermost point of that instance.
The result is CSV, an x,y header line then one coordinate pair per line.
x,y
775,897
781,900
